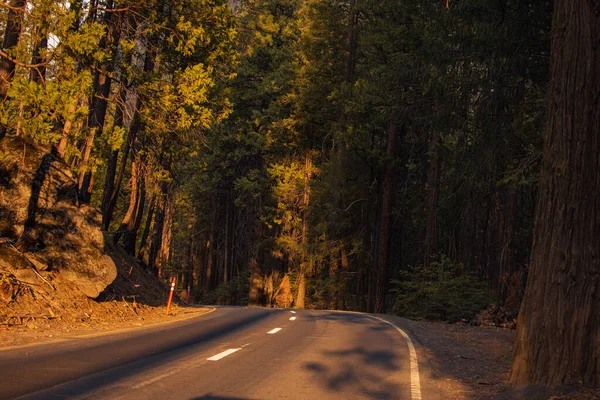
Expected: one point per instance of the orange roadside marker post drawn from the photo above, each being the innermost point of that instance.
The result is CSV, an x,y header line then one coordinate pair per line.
x,y
171,294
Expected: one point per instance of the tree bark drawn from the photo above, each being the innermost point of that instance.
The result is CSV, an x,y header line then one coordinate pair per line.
x,y
111,164
38,74
385,222
11,39
133,217
146,232
299,303
254,291
432,198
557,338
157,232
211,252
99,102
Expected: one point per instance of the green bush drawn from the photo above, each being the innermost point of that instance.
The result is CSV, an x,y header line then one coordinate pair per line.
x,y
442,291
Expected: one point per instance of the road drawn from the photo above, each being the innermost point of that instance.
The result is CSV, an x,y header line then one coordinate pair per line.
x,y
231,353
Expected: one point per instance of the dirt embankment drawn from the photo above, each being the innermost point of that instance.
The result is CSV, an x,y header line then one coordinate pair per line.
x,y
59,273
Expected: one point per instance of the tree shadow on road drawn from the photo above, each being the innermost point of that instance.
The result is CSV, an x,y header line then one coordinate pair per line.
x,y
365,373
216,397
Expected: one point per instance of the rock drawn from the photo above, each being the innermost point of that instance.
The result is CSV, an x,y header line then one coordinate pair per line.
x,y
28,276
92,279
40,266
11,259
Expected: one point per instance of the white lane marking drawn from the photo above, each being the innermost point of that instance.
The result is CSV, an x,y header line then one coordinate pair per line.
x,y
149,381
272,331
247,344
293,312
223,354
415,382
292,318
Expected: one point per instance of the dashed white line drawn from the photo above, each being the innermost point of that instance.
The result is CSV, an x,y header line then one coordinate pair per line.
x,y
155,379
292,318
415,382
293,312
223,354
272,331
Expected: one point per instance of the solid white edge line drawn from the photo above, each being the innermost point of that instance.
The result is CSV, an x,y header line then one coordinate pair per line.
x,y
292,318
415,382
222,354
272,331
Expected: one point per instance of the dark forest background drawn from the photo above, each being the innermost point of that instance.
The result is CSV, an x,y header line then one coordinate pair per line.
x,y
358,155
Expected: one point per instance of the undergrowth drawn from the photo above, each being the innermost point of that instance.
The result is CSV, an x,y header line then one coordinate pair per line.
x,y
442,291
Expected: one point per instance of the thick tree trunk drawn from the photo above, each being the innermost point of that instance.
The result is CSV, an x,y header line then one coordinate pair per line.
x,y
432,198
557,331
130,236
133,217
385,222
299,303
11,39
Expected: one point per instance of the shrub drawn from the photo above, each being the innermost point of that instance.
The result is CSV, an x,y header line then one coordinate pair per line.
x,y
441,291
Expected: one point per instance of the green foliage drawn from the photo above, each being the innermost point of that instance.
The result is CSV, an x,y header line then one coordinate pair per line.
x,y
442,291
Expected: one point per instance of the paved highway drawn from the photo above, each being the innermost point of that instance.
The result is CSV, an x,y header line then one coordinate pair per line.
x,y
231,353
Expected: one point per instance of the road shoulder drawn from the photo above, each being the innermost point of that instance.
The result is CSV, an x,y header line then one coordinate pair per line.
x,y
460,362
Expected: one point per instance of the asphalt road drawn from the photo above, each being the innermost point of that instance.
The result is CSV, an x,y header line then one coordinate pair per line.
x,y
232,353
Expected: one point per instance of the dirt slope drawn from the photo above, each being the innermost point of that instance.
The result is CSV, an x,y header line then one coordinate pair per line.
x,y
63,271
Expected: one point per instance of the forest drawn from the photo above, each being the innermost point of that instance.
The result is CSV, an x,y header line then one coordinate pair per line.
x,y
378,156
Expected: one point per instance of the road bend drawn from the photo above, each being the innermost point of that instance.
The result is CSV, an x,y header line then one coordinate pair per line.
x,y
232,353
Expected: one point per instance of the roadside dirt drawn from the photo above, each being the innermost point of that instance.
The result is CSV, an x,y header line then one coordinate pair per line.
x,y
464,362
89,319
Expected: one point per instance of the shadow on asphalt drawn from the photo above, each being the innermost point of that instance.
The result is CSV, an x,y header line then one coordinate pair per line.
x,y
122,360
212,397
357,369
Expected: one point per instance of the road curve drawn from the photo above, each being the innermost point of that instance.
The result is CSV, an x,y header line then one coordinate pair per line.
x,y
232,353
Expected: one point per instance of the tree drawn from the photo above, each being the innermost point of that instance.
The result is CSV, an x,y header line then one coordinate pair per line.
x,y
11,38
557,331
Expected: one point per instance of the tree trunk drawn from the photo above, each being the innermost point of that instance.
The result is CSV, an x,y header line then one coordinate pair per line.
x,y
38,74
99,102
211,251
385,222
130,237
113,158
432,198
133,218
11,39
226,246
254,292
146,232
301,292
557,338
305,202
157,232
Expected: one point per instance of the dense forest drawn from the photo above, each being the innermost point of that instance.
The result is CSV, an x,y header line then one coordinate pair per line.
x,y
381,156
